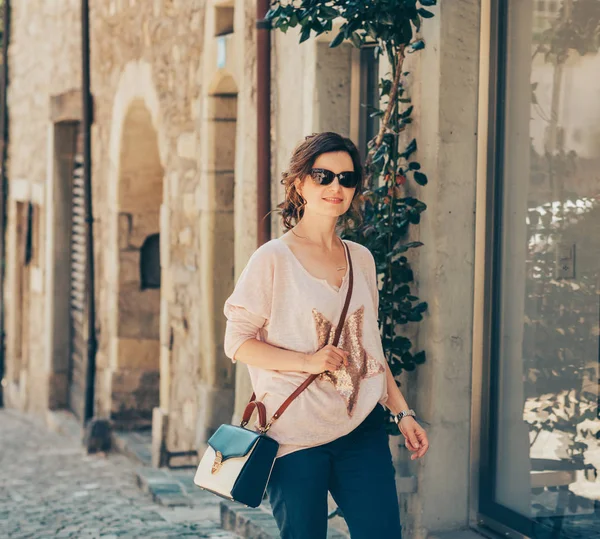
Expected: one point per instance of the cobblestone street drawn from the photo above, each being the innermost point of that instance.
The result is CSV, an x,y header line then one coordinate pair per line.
x,y
49,487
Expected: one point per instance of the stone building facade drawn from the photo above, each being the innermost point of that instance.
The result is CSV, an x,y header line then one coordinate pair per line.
x,y
174,159
174,154
173,145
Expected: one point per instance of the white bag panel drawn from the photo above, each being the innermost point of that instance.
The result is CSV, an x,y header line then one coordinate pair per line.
x,y
221,482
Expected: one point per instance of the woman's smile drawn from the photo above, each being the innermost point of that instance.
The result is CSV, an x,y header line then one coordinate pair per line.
x,y
334,200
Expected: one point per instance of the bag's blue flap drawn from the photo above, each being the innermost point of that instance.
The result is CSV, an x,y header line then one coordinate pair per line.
x,y
233,441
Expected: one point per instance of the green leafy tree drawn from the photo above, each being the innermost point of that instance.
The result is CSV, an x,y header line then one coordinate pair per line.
x,y
388,211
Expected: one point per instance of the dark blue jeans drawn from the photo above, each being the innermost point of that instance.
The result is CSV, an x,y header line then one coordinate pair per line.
x,y
358,471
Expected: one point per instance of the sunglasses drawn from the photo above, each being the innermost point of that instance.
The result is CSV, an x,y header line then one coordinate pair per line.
x,y
322,176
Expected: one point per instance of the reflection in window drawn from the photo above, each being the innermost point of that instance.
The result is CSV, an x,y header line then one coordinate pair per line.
x,y
547,450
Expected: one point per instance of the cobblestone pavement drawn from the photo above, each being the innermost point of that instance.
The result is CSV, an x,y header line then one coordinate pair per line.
x,y
49,487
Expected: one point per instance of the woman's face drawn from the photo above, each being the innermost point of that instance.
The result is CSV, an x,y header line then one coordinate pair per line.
x,y
330,200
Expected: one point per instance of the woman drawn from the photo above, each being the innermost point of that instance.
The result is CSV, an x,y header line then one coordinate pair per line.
x,y
281,319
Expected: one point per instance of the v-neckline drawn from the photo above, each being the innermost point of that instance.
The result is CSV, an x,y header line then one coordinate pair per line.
x,y
322,281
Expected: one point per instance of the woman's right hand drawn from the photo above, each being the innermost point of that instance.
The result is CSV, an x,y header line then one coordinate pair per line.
x,y
328,358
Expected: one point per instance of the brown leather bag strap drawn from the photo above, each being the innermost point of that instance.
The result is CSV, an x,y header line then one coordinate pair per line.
x,y
336,338
262,413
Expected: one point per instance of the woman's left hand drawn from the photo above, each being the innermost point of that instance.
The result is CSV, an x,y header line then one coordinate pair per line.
x,y
415,437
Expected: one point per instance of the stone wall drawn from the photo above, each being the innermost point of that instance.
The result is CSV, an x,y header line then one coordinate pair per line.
x,y
145,72
44,60
164,57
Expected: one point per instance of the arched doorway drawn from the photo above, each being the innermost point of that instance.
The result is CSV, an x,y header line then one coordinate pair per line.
x,y
135,343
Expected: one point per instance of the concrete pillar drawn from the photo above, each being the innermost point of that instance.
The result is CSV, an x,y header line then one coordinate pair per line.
x,y
445,95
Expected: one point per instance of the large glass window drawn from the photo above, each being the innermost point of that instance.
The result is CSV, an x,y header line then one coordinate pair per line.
x,y
542,453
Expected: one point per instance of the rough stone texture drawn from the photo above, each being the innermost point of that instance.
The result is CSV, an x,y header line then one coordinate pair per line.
x,y
49,487
32,83
259,523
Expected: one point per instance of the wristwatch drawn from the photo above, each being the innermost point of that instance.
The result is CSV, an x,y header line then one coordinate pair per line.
x,y
402,415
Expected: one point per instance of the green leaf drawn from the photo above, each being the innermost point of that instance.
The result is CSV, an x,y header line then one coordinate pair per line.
x,y
417,45
419,358
428,3
337,40
416,22
421,307
424,13
414,165
380,154
386,87
356,39
410,149
414,317
305,34
420,178
328,12
407,112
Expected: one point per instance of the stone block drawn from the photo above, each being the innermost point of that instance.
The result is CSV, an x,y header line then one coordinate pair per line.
x,y
129,267
224,189
125,381
224,108
173,179
66,107
188,202
215,407
57,390
142,226
123,230
224,149
139,312
187,145
140,191
185,236
134,395
138,354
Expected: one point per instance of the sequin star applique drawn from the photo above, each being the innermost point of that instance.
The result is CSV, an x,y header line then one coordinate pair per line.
x,y
361,365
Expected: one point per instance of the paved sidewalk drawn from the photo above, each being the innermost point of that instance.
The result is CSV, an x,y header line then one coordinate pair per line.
x,y
50,488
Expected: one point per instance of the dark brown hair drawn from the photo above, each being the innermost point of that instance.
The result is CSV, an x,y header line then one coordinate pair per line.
x,y
303,158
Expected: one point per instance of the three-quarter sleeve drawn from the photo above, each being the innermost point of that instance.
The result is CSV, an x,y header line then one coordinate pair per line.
x,y
248,309
371,277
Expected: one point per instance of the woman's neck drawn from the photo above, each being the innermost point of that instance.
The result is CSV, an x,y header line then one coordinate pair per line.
x,y
318,231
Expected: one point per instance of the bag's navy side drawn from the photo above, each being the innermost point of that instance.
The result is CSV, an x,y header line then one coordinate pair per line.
x,y
252,481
